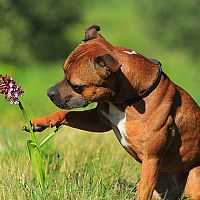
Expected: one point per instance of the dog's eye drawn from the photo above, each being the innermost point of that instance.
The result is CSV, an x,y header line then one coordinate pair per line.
x,y
77,88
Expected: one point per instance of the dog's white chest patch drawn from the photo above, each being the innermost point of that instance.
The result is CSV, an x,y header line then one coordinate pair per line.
x,y
117,118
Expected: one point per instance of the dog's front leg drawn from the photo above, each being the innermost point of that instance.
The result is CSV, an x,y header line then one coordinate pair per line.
x,y
88,120
53,120
149,176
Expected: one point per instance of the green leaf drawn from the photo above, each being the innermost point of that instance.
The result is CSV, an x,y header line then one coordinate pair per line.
x,y
48,137
37,162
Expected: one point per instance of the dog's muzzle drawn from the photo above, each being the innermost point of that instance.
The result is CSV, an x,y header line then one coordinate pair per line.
x,y
69,102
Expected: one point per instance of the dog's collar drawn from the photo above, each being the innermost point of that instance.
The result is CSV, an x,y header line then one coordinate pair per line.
x,y
154,84
150,88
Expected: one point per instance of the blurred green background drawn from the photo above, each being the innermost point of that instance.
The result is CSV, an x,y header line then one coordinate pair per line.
x,y
35,39
37,36
41,34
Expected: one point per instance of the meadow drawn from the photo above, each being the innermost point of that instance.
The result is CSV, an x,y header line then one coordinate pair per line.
x,y
79,164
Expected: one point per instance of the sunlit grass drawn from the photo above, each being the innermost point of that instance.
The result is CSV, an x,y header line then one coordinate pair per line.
x,y
79,166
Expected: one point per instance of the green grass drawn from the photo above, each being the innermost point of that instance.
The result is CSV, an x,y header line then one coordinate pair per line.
x,y
79,166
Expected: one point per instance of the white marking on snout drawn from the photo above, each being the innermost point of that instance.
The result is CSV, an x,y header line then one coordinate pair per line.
x,y
130,52
117,118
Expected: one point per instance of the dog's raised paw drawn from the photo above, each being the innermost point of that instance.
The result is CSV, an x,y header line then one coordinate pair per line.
x,y
34,128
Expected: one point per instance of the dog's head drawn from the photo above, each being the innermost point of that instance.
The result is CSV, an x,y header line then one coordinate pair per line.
x,y
90,74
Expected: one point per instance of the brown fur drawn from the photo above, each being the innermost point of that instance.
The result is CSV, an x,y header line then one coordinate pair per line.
x,y
163,129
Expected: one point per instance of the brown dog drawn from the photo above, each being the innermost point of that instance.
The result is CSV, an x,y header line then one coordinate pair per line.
x,y
156,121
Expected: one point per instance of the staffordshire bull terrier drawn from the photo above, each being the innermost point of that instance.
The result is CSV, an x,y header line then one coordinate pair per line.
x,y
156,121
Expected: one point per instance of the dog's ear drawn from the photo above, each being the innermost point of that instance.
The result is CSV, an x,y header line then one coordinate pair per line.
x,y
92,32
109,61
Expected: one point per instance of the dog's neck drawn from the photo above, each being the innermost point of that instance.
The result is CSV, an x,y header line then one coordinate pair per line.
x,y
139,75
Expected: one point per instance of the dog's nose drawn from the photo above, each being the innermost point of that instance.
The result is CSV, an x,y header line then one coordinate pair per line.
x,y
52,93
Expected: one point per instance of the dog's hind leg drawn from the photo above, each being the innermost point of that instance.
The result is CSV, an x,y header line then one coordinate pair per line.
x,y
192,188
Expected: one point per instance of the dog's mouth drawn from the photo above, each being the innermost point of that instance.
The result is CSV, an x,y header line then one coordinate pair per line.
x,y
71,103
68,101
75,104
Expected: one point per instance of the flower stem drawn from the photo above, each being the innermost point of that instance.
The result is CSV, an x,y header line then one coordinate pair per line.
x,y
33,138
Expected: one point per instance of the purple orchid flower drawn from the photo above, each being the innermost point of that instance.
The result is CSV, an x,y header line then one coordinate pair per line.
x,y
9,89
12,92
